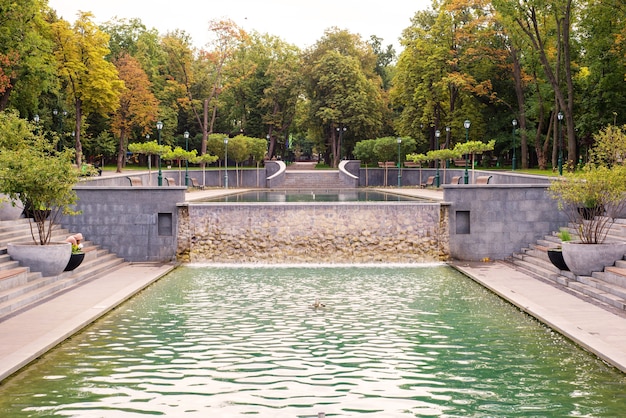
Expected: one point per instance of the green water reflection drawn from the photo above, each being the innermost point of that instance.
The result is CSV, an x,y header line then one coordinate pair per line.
x,y
390,342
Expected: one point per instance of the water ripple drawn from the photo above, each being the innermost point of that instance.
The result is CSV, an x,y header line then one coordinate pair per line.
x,y
389,343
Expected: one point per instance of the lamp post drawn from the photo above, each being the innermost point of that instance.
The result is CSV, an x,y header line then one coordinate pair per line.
x,y
447,144
466,125
159,126
226,162
514,126
36,119
437,135
399,141
186,136
560,117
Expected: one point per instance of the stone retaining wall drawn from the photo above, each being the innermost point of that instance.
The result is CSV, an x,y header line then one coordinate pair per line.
x,y
401,232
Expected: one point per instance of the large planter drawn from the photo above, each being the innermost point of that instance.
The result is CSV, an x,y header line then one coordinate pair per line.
x,y
583,259
556,257
50,259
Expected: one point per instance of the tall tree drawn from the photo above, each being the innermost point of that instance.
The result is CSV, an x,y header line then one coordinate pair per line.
x,y
26,67
343,90
138,107
92,82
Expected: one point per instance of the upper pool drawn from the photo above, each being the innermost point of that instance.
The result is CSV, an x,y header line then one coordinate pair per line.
x,y
334,195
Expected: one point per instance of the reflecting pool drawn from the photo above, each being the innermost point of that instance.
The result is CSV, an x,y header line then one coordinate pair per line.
x,y
390,341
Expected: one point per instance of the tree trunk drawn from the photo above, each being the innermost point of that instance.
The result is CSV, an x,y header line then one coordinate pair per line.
x,y
78,145
521,105
121,150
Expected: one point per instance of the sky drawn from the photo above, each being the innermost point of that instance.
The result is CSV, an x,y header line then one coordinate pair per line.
x,y
295,21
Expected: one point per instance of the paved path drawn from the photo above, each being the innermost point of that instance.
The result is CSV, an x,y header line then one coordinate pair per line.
x,y
593,328
27,335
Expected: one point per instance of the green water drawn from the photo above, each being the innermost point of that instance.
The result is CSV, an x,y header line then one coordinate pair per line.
x,y
390,342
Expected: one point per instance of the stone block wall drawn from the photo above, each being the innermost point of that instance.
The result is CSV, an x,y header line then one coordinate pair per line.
x,y
136,223
496,221
320,233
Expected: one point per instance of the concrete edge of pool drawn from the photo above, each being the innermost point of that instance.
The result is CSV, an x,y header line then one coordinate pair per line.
x,y
30,334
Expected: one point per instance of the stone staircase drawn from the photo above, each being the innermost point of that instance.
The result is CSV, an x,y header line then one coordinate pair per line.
x,y
313,179
20,288
604,288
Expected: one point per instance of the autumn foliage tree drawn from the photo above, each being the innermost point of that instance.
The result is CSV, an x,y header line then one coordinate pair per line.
x,y
138,107
92,82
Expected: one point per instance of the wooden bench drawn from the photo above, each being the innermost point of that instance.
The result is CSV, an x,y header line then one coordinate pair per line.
x,y
456,180
459,162
429,181
483,179
386,164
411,164
195,184
135,181
170,181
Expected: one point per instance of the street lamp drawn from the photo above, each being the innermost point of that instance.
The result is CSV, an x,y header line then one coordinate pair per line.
x,y
514,126
560,117
159,126
447,144
399,141
437,135
186,136
466,125
226,162
36,119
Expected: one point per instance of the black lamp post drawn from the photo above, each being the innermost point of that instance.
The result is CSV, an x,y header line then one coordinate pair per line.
x,y
560,117
159,126
466,125
186,136
514,126
399,141
447,144
437,135
226,162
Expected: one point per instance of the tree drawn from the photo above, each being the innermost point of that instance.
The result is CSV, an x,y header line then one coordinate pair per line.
x,y
92,82
537,19
26,67
343,92
179,155
138,106
149,148
473,148
26,158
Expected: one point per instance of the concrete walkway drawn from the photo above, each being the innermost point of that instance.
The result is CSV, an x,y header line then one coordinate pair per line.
x,y
593,328
27,335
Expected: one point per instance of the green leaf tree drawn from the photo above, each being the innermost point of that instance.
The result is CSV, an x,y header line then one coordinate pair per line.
x,y
92,82
149,148
179,155
25,159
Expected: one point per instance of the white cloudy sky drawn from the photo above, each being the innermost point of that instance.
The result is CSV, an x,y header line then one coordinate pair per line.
x,y
295,21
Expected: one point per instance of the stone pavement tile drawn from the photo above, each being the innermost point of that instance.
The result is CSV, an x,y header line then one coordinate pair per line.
x,y
593,328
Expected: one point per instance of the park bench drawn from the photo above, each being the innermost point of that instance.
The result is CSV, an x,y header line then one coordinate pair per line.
x,y
195,184
429,181
386,164
483,179
170,181
455,180
135,181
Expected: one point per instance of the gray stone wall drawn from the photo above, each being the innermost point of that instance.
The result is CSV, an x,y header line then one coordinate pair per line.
x,y
302,233
136,223
497,220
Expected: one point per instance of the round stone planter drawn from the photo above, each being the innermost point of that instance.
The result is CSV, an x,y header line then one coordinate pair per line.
x,y
49,259
583,259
